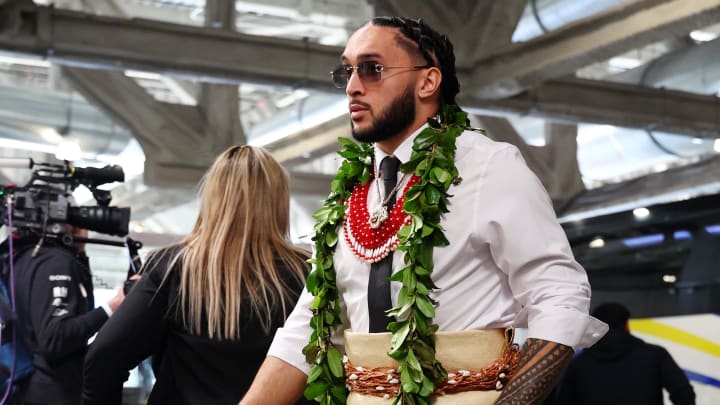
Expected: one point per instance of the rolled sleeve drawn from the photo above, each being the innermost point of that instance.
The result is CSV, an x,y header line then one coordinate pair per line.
x,y
565,326
531,248
289,340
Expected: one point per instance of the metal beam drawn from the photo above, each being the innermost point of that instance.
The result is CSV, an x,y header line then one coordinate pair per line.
x,y
146,202
212,55
681,183
562,101
592,101
555,164
312,142
174,138
565,50
475,27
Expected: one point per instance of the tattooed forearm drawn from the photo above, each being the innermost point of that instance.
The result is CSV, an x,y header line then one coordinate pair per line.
x,y
541,366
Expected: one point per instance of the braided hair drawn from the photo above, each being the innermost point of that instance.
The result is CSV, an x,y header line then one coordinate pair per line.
x,y
434,47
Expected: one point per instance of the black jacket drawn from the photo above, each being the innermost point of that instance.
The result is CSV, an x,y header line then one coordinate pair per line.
x,y
189,369
622,369
55,308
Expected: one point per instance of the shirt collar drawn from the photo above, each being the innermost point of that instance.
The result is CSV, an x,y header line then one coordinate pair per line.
x,y
403,151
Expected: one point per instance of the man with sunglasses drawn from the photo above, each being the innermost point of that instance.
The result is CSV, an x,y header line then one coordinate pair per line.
x,y
508,262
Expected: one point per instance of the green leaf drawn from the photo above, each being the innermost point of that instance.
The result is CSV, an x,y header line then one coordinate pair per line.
x,y
355,169
349,144
407,382
365,176
311,283
461,118
322,214
421,289
411,206
335,362
331,238
402,295
336,186
432,195
427,387
315,389
439,239
340,394
441,174
319,301
425,306
417,223
421,167
349,154
409,280
399,337
404,232
315,373
335,215
421,271
425,257
424,140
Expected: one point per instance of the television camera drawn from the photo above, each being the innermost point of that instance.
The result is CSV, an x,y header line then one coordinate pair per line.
x,y
42,206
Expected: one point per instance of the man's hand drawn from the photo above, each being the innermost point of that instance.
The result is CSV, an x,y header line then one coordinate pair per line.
x,y
119,297
542,363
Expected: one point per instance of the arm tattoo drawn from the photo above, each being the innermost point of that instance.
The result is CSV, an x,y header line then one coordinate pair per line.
x,y
541,366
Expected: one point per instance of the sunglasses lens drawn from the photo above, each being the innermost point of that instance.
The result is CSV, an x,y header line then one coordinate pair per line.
x,y
340,76
369,71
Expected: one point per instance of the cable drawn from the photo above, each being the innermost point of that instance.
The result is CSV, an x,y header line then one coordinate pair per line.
x,y
11,286
536,14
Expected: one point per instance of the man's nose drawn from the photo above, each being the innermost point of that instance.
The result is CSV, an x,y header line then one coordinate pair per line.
x,y
354,85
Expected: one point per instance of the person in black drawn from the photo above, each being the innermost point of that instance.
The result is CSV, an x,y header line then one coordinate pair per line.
x,y
206,309
623,369
56,316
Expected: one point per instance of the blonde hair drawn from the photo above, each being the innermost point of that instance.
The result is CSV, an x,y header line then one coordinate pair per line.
x,y
235,252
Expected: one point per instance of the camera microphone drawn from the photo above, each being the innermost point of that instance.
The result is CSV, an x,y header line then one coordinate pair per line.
x,y
96,176
16,163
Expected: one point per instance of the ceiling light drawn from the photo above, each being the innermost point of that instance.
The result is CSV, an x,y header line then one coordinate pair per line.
x,y
703,36
28,146
669,278
624,62
51,135
139,74
716,145
641,213
25,61
597,243
697,141
68,150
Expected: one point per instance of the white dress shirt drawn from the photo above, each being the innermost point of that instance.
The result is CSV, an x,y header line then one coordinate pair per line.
x,y
508,262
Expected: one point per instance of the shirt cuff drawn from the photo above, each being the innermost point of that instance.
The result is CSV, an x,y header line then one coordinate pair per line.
x,y
287,346
567,327
107,309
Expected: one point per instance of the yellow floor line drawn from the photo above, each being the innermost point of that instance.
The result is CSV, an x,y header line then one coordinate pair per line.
x,y
654,328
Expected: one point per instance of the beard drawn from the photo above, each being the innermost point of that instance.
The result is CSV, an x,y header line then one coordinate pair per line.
x,y
394,120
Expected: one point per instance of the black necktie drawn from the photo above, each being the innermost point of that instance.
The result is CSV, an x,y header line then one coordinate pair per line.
x,y
379,299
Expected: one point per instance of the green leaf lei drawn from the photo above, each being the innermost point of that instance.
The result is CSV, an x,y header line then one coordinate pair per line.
x,y
413,340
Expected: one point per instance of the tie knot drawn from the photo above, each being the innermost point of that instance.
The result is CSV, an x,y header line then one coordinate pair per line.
x,y
389,167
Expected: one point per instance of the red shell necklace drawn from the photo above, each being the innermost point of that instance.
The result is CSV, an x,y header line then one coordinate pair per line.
x,y
372,237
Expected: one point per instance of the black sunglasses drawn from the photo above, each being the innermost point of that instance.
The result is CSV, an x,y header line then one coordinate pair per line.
x,y
369,72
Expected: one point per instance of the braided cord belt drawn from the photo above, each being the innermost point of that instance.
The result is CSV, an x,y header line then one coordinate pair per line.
x,y
385,381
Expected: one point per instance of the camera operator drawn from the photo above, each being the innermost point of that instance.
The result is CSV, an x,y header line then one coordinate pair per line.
x,y
57,315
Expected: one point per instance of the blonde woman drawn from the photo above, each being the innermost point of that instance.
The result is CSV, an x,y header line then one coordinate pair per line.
x,y
207,308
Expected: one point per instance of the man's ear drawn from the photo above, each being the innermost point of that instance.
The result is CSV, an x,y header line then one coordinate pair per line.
x,y
430,84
